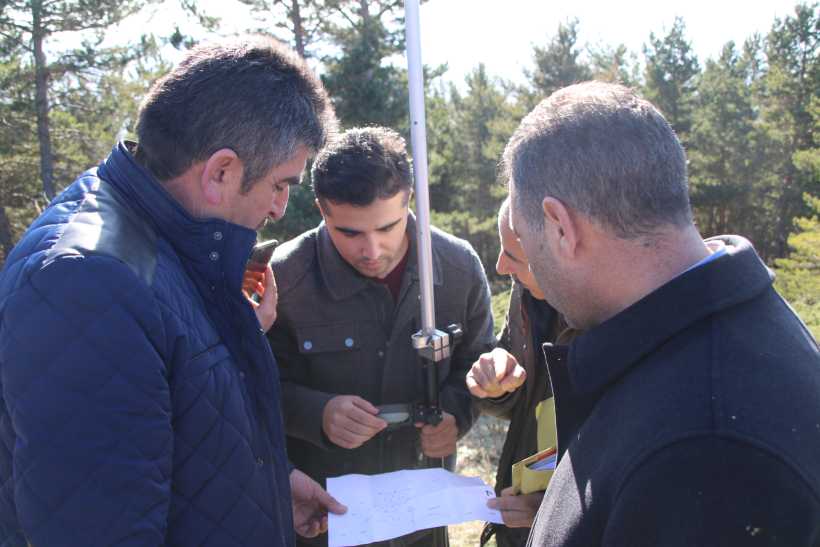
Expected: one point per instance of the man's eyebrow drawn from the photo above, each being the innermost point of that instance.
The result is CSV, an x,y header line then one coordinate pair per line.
x,y
389,225
291,181
350,231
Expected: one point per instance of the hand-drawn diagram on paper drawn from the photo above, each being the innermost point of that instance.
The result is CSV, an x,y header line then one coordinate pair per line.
x,y
389,505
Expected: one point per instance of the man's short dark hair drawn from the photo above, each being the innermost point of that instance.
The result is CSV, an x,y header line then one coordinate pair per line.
x,y
254,96
365,163
604,151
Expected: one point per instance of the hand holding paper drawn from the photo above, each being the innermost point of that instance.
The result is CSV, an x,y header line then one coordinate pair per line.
x,y
311,505
518,511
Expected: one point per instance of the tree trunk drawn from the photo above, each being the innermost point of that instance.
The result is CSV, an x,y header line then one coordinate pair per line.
x,y
298,28
364,12
41,101
6,237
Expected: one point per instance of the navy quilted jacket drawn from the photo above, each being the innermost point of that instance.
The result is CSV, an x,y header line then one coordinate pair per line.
x,y
140,399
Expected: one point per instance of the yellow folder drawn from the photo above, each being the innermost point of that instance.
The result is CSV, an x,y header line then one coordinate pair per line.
x,y
526,480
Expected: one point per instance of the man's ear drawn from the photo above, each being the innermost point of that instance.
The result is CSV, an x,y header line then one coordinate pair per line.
x,y
321,209
221,176
560,226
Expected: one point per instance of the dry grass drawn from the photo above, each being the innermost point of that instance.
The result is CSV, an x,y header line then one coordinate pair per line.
x,y
478,454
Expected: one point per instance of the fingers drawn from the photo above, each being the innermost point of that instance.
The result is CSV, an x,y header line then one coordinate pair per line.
x,y
251,278
509,491
350,421
312,527
347,439
266,307
329,503
317,523
360,420
495,374
514,379
364,405
486,373
440,440
517,511
474,386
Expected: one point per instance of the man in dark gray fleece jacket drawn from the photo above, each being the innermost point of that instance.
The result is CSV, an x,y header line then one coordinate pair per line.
x,y
348,304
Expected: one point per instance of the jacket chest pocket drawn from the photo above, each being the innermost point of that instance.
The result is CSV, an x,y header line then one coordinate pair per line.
x,y
333,352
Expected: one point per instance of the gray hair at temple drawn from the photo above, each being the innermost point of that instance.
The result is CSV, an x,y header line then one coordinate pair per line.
x,y
253,95
604,151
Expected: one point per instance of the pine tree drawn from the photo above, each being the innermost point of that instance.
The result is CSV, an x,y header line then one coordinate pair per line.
x,y
790,87
302,22
728,150
671,75
798,275
559,63
27,26
364,87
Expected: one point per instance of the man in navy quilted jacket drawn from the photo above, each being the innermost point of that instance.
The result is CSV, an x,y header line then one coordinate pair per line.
x,y
140,399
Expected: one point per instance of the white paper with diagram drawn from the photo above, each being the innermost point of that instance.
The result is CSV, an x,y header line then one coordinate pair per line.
x,y
381,507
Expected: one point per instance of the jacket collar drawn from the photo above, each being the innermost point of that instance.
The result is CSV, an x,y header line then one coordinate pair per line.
x,y
609,350
212,248
343,281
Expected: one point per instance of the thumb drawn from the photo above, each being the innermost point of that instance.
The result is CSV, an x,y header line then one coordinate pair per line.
x,y
271,296
365,405
474,388
514,379
503,503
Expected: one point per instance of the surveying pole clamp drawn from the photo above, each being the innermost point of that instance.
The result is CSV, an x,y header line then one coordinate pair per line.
x,y
433,348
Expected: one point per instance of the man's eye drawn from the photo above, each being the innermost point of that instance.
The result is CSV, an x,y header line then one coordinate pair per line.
x,y
278,187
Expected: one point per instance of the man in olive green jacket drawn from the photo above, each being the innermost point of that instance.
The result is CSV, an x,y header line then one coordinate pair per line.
x,y
348,305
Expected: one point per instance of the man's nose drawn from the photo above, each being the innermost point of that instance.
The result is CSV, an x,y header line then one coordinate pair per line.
x,y
280,202
371,247
501,264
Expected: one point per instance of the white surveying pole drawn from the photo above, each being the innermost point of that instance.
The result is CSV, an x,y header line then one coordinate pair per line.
x,y
418,138
433,345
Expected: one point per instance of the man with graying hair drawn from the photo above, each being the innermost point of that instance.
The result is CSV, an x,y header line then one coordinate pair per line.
x,y
687,411
140,400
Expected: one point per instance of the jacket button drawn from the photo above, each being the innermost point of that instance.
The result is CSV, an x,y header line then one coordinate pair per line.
x,y
218,236
308,345
381,353
241,374
260,462
214,256
349,342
